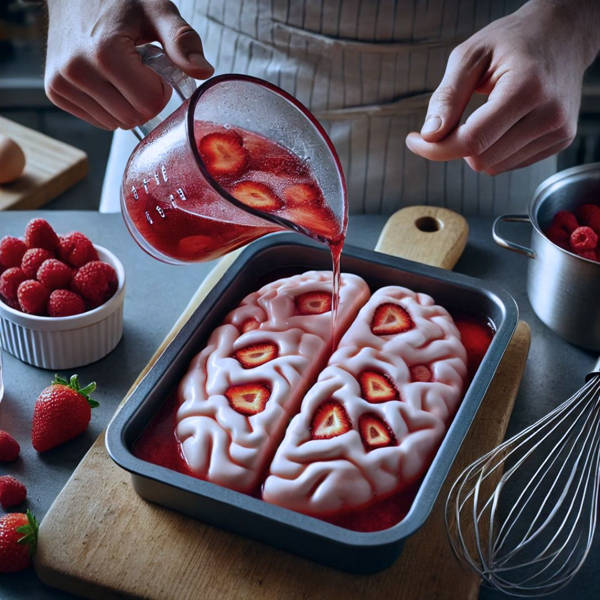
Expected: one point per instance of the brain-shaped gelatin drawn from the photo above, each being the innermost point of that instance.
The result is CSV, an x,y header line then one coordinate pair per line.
x,y
373,420
241,390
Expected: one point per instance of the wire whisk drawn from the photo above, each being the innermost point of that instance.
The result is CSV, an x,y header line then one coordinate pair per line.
x,y
523,515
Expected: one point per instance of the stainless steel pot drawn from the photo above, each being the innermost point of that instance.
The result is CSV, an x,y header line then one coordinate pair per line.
x,y
563,288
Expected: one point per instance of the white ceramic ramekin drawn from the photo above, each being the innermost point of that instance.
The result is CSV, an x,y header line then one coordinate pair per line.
x,y
66,342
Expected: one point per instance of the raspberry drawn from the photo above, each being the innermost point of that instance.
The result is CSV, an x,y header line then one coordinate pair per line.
x,y
583,238
39,234
558,235
96,281
54,274
32,259
10,281
566,220
76,249
11,251
589,214
591,254
63,303
33,296
9,447
12,492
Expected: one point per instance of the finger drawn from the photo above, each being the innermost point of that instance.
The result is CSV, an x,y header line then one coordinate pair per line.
x,y
106,95
531,127
544,154
534,148
509,101
504,108
181,43
75,110
86,103
121,65
464,72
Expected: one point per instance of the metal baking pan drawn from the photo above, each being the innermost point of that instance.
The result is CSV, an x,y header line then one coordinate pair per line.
x,y
265,260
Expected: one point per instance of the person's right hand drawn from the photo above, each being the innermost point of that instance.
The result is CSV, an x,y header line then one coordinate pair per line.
x,y
93,70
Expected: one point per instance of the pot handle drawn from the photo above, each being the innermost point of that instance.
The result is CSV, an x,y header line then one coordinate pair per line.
x,y
183,85
501,241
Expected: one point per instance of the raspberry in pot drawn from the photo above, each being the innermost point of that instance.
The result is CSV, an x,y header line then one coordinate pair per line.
x,y
11,251
566,220
33,296
589,214
32,259
64,303
9,283
39,234
583,238
54,274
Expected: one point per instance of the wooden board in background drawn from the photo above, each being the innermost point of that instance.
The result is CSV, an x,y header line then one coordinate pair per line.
x,y
99,539
51,168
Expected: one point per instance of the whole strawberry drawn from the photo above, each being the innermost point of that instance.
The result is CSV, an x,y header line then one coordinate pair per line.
x,y
18,540
96,281
9,447
12,492
39,234
61,412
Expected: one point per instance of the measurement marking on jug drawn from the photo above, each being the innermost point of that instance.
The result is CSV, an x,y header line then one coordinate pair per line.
x,y
134,192
181,193
149,218
160,211
164,172
172,200
156,178
145,183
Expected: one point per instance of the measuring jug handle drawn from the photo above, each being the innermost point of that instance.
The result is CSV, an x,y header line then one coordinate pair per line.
x,y
184,85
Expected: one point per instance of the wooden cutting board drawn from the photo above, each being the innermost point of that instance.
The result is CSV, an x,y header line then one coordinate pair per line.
x,y
100,540
51,168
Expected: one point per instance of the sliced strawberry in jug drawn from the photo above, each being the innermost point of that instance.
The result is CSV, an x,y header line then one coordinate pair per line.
x,y
256,354
256,195
223,153
330,420
301,194
377,387
374,432
390,318
313,303
248,398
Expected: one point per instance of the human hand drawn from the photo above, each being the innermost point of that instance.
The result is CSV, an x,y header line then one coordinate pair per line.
x,y
531,65
93,70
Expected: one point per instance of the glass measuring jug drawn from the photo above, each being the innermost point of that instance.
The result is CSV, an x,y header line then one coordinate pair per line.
x,y
180,206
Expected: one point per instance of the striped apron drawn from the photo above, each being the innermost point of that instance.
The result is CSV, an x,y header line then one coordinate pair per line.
x,y
366,69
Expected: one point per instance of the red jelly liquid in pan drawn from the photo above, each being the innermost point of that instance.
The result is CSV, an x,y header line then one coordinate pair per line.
x,y
186,219
158,444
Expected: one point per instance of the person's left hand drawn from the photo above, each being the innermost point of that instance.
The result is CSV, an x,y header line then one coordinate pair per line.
x,y
531,65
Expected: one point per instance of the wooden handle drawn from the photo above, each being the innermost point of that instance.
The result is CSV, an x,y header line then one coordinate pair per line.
x,y
427,234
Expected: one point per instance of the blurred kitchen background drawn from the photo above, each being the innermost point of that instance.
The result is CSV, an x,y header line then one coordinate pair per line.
x,y
22,99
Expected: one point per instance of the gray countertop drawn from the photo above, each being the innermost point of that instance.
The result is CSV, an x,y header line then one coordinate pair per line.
x,y
156,295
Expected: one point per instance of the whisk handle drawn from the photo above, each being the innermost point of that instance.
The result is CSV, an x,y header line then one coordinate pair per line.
x,y
595,372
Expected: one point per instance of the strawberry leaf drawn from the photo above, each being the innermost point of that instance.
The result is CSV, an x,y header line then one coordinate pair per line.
x,y
30,533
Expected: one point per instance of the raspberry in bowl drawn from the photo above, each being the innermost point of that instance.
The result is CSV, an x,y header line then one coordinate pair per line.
x,y
61,298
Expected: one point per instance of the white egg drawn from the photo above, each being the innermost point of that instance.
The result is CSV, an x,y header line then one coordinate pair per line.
x,y
12,160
